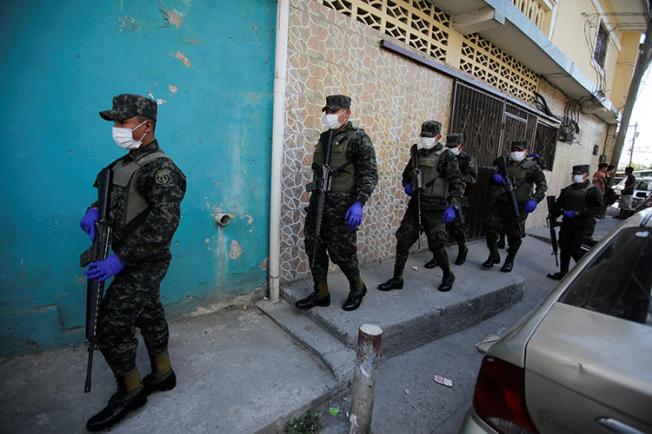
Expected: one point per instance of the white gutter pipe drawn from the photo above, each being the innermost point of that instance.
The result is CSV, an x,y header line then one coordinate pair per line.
x,y
278,127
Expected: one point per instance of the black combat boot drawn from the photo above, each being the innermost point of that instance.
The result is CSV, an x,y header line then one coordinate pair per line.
x,y
447,282
493,259
461,255
556,276
508,266
130,396
357,293
321,297
162,377
431,263
393,283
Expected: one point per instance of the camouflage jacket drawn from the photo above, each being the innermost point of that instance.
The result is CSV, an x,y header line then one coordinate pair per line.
x,y
448,168
469,169
534,176
360,152
147,237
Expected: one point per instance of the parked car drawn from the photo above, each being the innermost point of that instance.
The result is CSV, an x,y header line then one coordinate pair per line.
x,y
642,189
582,361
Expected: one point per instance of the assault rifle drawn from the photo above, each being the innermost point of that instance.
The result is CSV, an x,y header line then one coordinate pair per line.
x,y
510,189
321,186
98,252
417,186
552,224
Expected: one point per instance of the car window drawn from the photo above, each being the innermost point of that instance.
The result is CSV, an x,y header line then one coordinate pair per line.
x,y
644,185
618,281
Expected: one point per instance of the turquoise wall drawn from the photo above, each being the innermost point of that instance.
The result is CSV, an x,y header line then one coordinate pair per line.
x,y
210,66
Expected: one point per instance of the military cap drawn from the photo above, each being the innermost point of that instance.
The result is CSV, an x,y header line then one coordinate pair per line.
x,y
337,102
127,105
453,140
581,168
430,128
519,144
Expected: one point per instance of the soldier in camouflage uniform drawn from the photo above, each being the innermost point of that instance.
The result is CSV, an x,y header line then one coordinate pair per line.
x,y
441,198
353,161
146,193
526,173
580,204
469,170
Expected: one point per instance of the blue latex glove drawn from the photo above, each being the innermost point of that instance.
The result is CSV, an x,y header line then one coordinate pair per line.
x,y
408,189
570,214
449,215
353,215
497,179
87,222
530,206
102,270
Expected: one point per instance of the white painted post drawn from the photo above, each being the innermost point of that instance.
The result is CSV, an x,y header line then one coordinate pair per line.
x,y
364,379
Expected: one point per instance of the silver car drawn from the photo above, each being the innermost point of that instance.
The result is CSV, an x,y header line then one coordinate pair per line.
x,y
582,361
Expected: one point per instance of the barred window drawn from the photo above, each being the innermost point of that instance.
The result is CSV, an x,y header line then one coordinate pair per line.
x,y
601,45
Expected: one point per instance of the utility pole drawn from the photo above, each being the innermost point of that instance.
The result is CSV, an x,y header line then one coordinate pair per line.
x,y
631,151
643,61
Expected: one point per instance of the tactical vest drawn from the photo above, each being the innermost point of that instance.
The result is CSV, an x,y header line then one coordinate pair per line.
x,y
575,198
343,170
523,186
435,185
124,175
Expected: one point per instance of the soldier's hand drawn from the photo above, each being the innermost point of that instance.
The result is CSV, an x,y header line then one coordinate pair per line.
x,y
353,215
409,189
497,179
449,215
102,270
87,222
570,214
530,206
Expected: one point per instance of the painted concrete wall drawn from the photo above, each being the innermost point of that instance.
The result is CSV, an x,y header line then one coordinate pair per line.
x,y
210,66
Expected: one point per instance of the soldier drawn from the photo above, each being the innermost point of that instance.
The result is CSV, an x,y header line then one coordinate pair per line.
x,y
144,214
580,203
353,161
440,199
469,170
525,174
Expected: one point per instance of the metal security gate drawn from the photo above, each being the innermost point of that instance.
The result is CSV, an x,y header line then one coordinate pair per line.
x,y
490,124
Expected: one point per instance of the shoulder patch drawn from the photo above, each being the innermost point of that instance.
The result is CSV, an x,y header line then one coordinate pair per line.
x,y
163,176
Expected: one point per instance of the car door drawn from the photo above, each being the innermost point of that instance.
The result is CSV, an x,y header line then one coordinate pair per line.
x,y
588,366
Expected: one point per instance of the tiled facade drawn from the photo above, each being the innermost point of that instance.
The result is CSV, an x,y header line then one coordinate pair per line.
x,y
329,53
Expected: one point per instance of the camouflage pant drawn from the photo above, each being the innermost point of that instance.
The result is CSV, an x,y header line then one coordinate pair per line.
x,y
408,232
572,235
337,241
133,301
457,230
501,220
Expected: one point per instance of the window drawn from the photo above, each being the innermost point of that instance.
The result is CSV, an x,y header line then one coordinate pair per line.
x,y
618,281
601,43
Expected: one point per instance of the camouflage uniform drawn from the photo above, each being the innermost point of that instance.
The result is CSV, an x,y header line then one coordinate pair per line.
x,y
143,245
432,208
586,201
337,241
526,175
469,170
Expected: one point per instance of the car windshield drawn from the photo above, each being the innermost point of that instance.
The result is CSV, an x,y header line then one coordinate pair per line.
x,y
618,281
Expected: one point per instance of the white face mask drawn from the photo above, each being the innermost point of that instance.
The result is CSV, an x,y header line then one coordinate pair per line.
x,y
578,179
456,150
331,121
427,142
517,155
123,137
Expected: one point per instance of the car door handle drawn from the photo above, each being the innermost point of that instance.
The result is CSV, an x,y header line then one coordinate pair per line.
x,y
617,426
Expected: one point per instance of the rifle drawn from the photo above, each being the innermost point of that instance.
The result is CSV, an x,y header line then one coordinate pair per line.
x,y
417,184
510,190
321,186
552,224
97,252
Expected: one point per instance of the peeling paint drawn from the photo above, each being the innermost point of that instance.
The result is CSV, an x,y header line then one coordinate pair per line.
x,y
192,41
235,250
173,88
183,59
264,264
127,24
171,16
161,101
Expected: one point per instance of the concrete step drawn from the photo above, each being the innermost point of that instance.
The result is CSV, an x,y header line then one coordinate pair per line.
x,y
418,313
338,357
